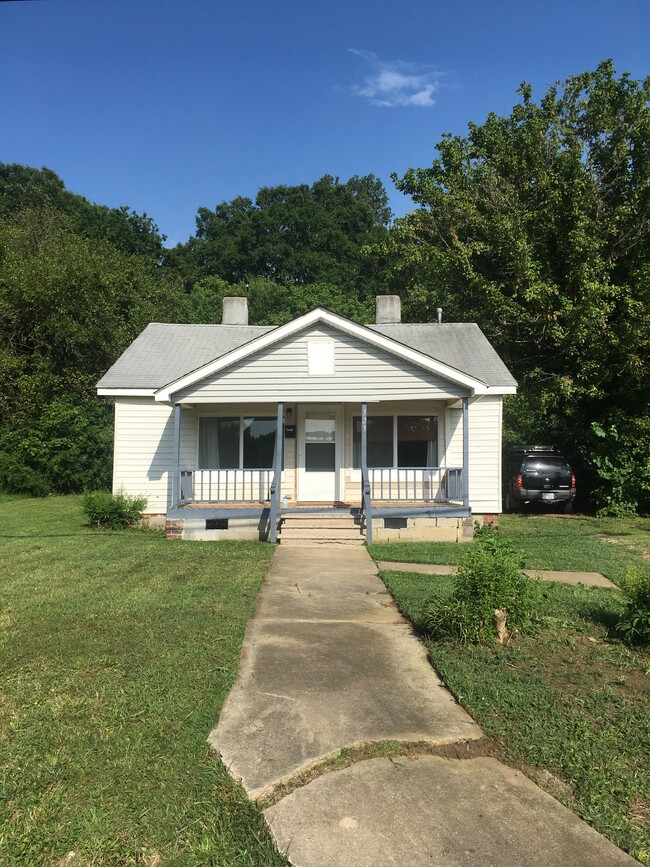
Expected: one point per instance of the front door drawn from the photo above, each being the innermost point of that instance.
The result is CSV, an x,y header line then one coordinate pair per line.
x,y
319,454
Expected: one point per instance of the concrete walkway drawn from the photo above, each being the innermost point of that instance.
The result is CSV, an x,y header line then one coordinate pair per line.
x,y
328,662
589,579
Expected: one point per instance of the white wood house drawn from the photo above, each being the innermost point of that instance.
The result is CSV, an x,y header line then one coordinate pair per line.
x,y
394,428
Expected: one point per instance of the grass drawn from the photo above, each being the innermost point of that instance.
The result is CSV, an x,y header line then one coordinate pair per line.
x,y
605,545
570,705
117,650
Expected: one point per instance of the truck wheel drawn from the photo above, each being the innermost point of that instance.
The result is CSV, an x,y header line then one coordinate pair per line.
x,y
568,507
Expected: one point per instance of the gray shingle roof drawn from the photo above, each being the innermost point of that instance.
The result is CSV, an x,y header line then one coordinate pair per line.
x,y
163,353
461,345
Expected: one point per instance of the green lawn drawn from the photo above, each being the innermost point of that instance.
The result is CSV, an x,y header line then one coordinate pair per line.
x,y
570,705
604,545
117,650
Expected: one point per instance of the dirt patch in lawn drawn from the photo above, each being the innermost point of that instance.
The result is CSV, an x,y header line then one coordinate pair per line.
x,y
585,662
616,540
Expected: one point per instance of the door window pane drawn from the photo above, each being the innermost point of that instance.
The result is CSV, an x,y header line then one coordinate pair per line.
x,y
259,443
320,427
320,442
417,441
380,441
218,443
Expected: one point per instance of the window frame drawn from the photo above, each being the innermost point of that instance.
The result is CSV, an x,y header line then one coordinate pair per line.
x,y
241,417
395,416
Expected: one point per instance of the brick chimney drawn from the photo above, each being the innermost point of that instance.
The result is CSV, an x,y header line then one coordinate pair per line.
x,y
235,310
388,310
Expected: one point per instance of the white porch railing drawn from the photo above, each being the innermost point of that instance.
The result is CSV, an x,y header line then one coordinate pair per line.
x,y
226,486
420,484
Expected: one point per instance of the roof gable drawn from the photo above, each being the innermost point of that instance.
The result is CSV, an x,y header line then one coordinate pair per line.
x,y
340,323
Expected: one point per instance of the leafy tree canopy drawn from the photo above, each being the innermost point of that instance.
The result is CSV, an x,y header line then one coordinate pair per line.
x,y
537,226
292,235
25,188
69,305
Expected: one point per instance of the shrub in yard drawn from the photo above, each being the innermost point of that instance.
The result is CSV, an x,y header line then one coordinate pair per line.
x,y
489,581
634,625
112,511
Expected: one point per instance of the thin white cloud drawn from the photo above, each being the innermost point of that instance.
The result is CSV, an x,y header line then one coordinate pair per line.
x,y
394,83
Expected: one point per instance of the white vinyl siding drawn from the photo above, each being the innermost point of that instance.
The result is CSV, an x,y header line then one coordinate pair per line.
x,y
281,372
484,451
144,445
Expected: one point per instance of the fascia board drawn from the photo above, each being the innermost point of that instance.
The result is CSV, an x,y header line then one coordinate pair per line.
x,y
126,392
315,316
502,389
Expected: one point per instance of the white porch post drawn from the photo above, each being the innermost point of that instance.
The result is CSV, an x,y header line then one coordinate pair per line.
x,y
277,476
176,459
365,481
466,452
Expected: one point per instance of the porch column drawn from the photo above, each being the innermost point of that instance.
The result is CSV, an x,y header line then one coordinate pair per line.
x,y
276,484
176,458
466,452
365,481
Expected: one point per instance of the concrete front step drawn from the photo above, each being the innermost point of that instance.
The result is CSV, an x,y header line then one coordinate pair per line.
x,y
318,521
321,532
317,529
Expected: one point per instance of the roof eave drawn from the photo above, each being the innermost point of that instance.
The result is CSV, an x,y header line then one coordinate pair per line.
x,y
104,391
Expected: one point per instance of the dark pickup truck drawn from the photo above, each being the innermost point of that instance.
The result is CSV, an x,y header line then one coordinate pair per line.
x,y
537,474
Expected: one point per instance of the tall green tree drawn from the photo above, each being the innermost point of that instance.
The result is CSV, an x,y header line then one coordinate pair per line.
x,y
26,188
292,235
69,305
537,226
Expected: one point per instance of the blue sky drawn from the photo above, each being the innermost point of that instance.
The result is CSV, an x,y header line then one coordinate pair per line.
x,y
166,106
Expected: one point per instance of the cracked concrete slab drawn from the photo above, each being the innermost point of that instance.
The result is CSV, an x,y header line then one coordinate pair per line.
x,y
328,662
433,811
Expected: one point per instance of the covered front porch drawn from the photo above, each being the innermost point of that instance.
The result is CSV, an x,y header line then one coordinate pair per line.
x,y
384,464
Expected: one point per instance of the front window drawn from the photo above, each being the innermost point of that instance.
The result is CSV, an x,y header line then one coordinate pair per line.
x,y
380,441
417,441
397,441
236,442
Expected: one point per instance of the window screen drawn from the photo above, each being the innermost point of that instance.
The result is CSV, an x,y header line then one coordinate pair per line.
x,y
218,443
259,443
220,440
380,441
417,441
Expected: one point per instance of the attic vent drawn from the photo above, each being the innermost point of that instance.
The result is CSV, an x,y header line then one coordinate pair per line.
x,y
216,523
320,357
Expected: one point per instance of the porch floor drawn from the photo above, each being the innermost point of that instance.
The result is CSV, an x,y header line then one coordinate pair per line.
x,y
380,509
